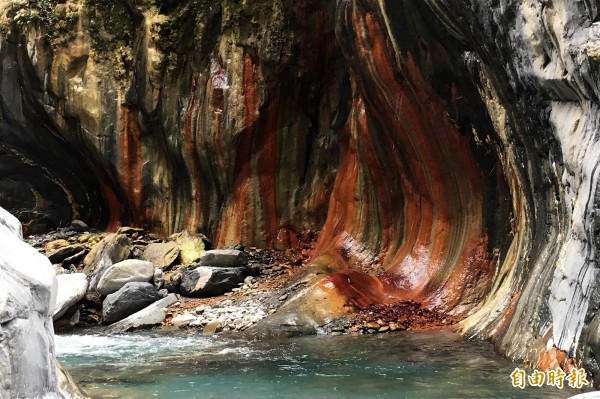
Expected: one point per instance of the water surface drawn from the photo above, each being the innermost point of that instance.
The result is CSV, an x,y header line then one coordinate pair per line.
x,y
401,365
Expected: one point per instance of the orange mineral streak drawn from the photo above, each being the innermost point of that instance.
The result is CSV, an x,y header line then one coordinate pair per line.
x,y
115,207
342,202
266,153
130,160
359,289
237,221
189,147
407,189
551,360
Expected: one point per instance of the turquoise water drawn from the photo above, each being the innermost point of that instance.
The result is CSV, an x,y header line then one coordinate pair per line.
x,y
401,365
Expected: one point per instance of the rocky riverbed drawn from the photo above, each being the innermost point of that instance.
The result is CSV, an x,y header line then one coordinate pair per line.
x,y
117,280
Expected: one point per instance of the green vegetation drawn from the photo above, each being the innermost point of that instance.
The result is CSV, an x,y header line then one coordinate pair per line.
x,y
110,24
57,17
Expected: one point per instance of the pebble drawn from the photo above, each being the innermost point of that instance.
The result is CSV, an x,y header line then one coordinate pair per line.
x,y
373,325
225,317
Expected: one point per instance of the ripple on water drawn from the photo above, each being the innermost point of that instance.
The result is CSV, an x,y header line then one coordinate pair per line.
x,y
403,365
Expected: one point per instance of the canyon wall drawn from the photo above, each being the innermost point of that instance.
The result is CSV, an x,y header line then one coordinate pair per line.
x,y
446,150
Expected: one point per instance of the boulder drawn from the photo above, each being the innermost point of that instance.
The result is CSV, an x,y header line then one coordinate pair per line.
x,y
79,226
130,231
10,223
67,321
54,245
60,254
205,281
162,254
74,259
116,247
191,247
67,386
183,320
131,298
147,317
71,289
224,258
127,271
112,249
90,240
27,297
159,278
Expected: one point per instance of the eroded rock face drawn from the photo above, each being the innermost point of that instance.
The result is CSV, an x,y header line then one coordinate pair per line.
x,y
27,298
447,150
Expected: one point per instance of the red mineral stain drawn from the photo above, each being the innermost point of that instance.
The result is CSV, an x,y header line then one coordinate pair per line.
x,y
189,147
551,360
406,178
130,160
116,209
237,214
266,153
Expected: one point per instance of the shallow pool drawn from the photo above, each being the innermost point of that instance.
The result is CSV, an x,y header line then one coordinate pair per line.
x,y
400,365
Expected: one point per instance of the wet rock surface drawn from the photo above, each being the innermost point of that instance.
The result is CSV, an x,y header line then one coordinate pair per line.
x,y
149,316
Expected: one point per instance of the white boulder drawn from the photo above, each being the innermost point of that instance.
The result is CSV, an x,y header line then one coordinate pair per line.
x,y
27,298
71,289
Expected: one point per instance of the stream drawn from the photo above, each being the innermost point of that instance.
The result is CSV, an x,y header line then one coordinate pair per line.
x,y
178,365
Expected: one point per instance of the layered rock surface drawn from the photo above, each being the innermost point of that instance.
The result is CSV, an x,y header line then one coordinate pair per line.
x,y
27,298
447,150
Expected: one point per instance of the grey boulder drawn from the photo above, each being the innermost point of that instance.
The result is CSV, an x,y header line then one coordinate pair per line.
x,y
205,281
147,317
127,271
112,249
67,252
224,258
162,254
131,298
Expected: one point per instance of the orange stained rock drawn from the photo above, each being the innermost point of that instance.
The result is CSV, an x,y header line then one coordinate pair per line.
x,y
116,209
130,159
189,147
285,239
360,289
408,190
552,359
265,150
238,210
